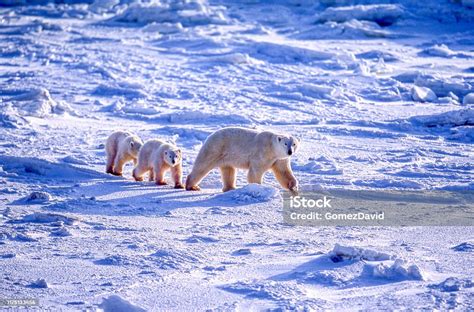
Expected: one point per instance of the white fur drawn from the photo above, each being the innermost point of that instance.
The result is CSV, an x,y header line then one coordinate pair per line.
x,y
239,148
156,157
121,147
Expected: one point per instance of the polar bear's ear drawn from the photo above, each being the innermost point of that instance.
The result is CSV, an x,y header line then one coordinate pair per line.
x,y
178,151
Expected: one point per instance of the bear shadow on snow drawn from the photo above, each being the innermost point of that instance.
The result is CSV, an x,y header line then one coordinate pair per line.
x,y
124,197
74,189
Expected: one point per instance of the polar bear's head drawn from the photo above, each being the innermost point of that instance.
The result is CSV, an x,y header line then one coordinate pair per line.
x,y
134,145
172,156
285,146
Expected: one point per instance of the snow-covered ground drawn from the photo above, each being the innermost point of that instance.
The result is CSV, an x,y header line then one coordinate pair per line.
x,y
380,92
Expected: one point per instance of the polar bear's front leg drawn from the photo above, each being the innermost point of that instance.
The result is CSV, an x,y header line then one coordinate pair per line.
x,y
198,173
228,178
177,175
255,175
159,172
284,175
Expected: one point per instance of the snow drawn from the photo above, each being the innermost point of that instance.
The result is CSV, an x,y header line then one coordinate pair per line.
x,y
39,217
443,51
340,253
185,13
39,103
382,14
453,118
464,247
40,283
396,271
116,303
468,99
38,197
251,193
379,92
422,94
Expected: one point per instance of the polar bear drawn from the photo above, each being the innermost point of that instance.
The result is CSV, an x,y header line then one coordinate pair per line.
x,y
156,157
239,148
121,147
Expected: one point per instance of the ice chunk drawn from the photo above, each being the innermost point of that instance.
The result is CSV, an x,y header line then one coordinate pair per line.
x,y
465,247
442,50
39,283
468,99
341,253
422,94
102,6
38,197
399,270
188,13
443,86
39,103
382,14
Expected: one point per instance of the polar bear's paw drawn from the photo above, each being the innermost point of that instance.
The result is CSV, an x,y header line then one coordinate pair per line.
x,y
178,186
193,188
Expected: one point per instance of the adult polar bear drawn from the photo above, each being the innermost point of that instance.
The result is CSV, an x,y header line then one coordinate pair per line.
x,y
239,148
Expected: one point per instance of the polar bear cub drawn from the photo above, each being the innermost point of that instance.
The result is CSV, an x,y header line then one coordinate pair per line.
x,y
239,148
121,147
156,157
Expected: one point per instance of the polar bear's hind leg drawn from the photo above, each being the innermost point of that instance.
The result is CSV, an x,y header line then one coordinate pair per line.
x,y
255,175
109,168
118,165
151,176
